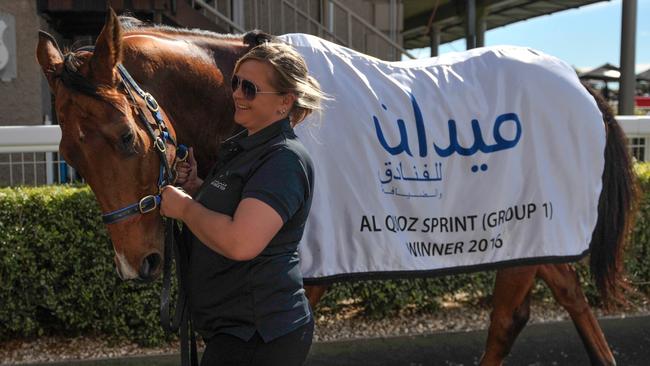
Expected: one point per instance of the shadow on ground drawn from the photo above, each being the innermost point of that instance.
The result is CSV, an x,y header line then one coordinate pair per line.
x,y
541,344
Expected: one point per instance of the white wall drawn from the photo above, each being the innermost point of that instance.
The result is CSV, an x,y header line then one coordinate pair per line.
x,y
639,127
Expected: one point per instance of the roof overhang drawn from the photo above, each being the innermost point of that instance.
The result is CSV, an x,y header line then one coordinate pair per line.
x,y
450,14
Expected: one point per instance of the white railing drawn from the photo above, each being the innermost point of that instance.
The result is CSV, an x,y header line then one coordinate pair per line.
x,y
637,129
219,16
37,138
635,125
29,155
286,16
352,16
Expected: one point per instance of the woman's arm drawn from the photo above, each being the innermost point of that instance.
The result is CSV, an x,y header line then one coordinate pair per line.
x,y
241,237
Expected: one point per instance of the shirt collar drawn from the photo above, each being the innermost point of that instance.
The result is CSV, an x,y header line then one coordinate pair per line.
x,y
263,135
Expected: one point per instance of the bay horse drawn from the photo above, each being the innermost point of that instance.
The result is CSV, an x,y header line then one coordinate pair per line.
x,y
187,71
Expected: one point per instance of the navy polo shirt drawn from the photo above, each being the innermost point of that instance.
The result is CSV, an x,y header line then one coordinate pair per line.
x,y
264,294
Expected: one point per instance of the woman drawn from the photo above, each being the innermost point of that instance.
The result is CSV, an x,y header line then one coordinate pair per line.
x,y
248,216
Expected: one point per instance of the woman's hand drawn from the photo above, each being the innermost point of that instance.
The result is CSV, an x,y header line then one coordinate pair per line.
x,y
186,174
174,202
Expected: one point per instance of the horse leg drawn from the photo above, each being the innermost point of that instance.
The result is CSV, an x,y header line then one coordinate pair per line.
x,y
510,312
563,281
314,294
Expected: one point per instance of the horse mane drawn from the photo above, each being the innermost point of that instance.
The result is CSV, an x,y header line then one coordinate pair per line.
x,y
252,38
130,24
72,79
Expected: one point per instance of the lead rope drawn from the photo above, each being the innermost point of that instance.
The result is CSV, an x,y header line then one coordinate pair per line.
x,y
182,320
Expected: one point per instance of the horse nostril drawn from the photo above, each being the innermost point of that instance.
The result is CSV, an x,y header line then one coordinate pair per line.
x,y
149,266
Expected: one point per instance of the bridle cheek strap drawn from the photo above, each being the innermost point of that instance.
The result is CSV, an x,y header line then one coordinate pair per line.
x,y
150,203
166,175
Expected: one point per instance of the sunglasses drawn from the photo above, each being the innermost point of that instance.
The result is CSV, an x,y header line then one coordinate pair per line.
x,y
248,88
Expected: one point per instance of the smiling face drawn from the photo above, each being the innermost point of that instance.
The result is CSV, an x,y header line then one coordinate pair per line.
x,y
265,108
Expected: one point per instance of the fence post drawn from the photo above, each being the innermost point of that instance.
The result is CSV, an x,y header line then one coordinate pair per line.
x,y
49,157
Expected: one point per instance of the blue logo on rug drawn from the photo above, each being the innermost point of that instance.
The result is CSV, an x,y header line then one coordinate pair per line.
x,y
479,145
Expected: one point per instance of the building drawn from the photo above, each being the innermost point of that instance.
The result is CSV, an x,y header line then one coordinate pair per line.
x,y
361,24
375,27
637,129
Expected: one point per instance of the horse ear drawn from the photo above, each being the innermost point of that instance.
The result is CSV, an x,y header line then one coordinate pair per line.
x,y
108,51
50,58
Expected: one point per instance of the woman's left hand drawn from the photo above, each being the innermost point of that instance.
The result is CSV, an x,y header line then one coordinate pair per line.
x,y
174,202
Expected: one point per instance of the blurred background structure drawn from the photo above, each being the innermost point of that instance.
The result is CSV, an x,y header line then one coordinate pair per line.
x,y
386,29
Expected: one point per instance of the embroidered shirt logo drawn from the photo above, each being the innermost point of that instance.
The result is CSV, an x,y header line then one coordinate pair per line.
x,y
219,185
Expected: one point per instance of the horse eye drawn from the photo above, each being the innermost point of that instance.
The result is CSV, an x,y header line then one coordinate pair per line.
x,y
127,146
127,138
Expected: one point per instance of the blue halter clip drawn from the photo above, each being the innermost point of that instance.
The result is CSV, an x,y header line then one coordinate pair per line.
x,y
166,176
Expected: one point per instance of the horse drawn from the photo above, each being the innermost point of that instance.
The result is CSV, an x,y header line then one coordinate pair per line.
x,y
187,72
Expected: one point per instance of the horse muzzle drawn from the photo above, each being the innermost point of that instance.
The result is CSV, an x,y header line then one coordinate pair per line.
x,y
150,268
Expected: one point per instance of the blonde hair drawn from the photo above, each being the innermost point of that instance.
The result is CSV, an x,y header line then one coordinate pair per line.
x,y
291,76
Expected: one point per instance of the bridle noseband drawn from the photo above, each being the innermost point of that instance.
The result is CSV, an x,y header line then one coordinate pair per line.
x,y
166,176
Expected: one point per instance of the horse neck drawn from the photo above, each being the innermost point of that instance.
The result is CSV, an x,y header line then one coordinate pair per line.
x,y
193,93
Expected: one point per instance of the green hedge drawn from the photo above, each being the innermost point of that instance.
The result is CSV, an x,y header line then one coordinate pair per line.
x,y
57,274
638,253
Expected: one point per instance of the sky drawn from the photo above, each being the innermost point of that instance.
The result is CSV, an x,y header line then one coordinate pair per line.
x,y
586,37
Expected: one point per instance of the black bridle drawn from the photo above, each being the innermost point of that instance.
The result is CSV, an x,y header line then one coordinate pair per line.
x,y
166,176
72,78
148,204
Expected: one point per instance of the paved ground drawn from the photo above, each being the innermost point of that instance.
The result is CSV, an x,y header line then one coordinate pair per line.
x,y
542,344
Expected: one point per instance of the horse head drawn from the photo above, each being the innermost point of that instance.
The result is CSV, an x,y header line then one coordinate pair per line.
x,y
105,140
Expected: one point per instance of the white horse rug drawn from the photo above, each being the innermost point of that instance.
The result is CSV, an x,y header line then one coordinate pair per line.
x,y
467,161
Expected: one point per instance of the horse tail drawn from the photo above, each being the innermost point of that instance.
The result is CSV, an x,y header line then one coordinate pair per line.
x,y
615,210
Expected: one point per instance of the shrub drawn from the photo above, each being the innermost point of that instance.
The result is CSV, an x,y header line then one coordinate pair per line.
x,y
57,275
56,271
638,253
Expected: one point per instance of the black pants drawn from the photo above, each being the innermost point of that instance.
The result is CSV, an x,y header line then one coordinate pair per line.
x,y
289,350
